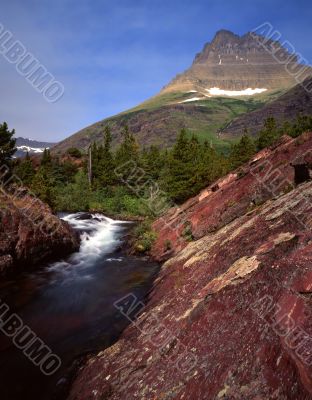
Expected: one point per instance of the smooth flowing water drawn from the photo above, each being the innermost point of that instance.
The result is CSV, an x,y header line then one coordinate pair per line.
x,y
69,305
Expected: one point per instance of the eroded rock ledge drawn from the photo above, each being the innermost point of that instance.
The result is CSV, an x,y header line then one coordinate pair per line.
x,y
230,313
29,232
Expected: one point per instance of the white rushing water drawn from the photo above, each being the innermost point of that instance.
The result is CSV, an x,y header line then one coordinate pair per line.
x,y
100,236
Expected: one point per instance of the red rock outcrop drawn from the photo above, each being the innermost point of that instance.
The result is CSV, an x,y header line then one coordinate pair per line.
x,y
29,232
229,316
269,174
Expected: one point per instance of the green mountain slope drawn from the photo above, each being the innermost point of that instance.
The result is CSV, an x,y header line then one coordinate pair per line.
x,y
160,124
286,107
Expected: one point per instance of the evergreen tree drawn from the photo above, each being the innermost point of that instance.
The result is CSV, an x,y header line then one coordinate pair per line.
x,y
269,134
302,124
7,145
46,160
74,152
43,186
128,149
61,172
25,171
182,163
152,161
106,161
286,128
212,166
242,151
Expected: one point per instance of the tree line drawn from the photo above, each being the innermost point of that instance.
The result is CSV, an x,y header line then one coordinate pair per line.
x,y
181,171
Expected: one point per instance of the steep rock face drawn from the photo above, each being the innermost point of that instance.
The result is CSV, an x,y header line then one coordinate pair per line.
x,y
229,315
29,232
231,62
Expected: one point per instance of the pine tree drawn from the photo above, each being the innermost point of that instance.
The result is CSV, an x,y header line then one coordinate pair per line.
x,y
181,165
212,165
302,124
46,160
7,145
95,160
105,170
152,161
43,186
25,171
242,151
128,149
269,134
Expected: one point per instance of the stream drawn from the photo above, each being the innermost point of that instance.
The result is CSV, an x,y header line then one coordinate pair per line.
x,y
69,305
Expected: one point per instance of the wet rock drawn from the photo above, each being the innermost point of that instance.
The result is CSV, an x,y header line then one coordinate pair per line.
x,y
84,216
30,233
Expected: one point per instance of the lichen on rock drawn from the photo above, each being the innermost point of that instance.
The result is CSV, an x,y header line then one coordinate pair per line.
x,y
200,335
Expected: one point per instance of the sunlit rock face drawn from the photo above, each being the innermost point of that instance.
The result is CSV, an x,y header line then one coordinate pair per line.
x,y
234,63
230,313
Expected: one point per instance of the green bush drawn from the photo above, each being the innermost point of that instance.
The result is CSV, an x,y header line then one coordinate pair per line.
x,y
74,152
187,231
74,196
144,237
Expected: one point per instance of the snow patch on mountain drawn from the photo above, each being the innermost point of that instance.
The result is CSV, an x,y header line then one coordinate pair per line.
x,y
192,99
245,92
31,149
30,146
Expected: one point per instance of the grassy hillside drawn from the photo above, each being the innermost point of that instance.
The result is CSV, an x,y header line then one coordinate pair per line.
x,y
158,120
286,107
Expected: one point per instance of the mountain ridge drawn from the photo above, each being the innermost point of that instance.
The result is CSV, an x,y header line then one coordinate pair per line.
x,y
231,76
31,146
243,54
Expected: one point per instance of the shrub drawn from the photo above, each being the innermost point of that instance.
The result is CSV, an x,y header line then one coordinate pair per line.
x,y
144,237
187,231
74,152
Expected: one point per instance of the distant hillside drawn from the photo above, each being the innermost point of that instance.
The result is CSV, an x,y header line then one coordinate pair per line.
x,y
160,125
31,146
233,75
285,108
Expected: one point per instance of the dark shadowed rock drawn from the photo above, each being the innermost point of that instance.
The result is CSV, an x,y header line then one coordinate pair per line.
x,y
29,232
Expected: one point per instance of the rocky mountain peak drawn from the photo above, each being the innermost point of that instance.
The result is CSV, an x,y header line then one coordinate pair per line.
x,y
223,36
231,48
233,62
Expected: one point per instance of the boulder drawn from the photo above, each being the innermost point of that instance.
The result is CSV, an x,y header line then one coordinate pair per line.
x,y
29,232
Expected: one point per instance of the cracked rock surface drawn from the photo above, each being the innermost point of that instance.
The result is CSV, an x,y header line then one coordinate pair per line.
x,y
229,316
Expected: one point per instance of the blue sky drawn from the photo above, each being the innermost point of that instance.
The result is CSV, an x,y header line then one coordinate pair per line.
x,y
112,55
